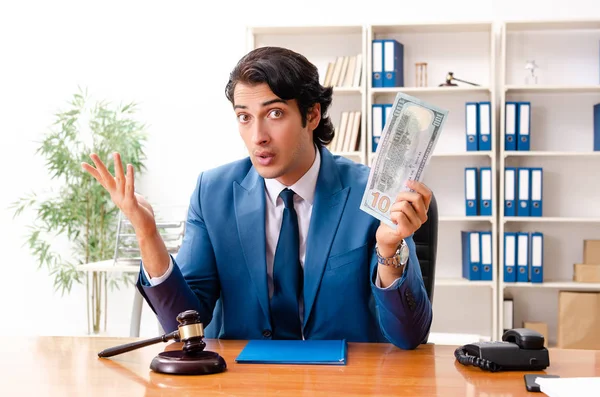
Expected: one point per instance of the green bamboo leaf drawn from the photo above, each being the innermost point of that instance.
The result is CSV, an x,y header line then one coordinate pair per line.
x,y
81,210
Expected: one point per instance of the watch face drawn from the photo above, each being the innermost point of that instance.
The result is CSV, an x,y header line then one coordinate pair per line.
x,y
403,253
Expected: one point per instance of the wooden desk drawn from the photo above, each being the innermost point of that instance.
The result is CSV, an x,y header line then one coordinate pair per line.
x,y
66,366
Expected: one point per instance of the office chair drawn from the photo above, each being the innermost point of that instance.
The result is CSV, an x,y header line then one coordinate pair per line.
x,y
426,242
127,252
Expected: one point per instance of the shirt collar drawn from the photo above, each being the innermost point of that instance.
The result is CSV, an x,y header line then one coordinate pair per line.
x,y
304,187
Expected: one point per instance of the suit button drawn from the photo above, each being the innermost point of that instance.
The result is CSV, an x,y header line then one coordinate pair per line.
x,y
266,333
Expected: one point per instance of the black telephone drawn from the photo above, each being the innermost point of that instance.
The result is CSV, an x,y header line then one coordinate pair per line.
x,y
520,349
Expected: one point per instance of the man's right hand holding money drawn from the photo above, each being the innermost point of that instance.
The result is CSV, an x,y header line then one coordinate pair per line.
x,y
408,212
139,212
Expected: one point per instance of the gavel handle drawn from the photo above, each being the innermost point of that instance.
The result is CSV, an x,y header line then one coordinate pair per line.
x,y
463,81
113,351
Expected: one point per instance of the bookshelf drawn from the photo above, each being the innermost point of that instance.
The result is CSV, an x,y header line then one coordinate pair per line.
x,y
553,89
492,55
420,90
561,142
474,59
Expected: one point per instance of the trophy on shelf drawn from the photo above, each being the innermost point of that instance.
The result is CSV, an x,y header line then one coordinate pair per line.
x,y
449,81
531,77
421,74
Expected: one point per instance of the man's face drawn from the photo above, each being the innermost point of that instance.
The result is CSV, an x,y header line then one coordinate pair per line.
x,y
278,145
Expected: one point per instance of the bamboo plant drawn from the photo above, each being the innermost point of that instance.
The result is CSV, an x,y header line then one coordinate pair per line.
x,y
78,209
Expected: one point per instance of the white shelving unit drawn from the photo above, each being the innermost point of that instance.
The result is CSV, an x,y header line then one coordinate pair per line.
x,y
551,219
567,54
439,153
552,89
436,90
465,219
551,154
473,60
565,285
569,83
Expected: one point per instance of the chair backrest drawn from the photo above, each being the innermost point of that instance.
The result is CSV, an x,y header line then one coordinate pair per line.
x,y
426,241
127,251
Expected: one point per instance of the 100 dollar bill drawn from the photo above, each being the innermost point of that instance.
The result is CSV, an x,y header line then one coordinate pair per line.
x,y
403,152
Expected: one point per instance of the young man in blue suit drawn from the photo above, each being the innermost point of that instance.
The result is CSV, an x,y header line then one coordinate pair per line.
x,y
276,246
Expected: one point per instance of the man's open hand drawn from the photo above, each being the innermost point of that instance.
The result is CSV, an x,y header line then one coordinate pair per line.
x,y
121,189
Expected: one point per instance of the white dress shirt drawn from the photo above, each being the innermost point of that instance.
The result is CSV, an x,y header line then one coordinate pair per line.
x,y
303,204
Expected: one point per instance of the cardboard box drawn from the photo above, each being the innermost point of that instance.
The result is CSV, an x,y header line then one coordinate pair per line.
x,y
591,252
586,273
579,320
540,327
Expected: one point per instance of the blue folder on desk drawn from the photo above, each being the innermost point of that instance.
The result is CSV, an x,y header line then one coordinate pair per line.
x,y
332,352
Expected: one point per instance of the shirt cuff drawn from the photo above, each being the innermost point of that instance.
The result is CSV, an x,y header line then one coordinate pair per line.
x,y
393,285
157,280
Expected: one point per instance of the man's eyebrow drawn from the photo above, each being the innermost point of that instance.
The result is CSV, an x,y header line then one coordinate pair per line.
x,y
272,101
267,103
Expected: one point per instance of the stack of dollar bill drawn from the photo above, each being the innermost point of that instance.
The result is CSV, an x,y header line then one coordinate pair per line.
x,y
406,144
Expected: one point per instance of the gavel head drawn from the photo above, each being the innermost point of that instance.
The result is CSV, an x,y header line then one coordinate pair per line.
x,y
191,331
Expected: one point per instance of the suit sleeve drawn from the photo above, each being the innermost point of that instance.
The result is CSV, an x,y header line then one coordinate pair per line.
x,y
405,312
193,283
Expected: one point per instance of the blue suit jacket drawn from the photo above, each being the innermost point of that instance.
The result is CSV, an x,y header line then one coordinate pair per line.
x,y
221,272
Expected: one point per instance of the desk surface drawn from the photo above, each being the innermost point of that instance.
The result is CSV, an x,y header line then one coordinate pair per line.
x,y
62,366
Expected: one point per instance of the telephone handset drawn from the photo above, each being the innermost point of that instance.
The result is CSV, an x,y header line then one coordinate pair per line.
x,y
520,349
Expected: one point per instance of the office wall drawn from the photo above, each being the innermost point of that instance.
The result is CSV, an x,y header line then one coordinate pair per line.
x,y
174,59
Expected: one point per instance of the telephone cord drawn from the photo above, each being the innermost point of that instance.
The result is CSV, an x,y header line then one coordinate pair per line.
x,y
464,358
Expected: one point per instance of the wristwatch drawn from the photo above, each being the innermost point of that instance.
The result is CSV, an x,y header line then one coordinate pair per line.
x,y
399,259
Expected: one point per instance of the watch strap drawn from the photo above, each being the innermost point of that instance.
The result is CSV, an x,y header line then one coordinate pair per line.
x,y
393,261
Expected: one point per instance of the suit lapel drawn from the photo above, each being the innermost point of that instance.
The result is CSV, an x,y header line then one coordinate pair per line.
x,y
330,200
249,202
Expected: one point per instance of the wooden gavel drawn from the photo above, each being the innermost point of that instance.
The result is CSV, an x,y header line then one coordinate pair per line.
x,y
191,360
450,77
190,331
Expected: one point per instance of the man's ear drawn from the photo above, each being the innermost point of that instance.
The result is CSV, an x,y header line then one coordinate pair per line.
x,y
313,116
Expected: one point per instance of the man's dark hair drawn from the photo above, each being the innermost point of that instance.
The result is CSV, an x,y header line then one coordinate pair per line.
x,y
290,76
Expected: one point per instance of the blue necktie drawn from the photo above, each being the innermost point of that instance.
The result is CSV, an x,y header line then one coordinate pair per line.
x,y
287,275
